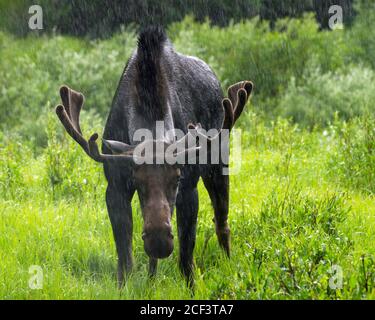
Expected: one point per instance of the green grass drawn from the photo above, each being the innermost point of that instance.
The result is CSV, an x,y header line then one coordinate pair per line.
x,y
291,220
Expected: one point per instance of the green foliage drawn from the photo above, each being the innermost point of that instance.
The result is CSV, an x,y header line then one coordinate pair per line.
x,y
361,40
315,102
34,69
291,224
353,162
293,244
12,153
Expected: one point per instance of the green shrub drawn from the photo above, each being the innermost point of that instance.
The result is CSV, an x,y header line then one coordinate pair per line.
x,y
292,244
33,70
360,39
315,102
353,161
12,154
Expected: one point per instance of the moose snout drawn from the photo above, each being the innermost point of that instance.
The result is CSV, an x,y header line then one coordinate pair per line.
x,y
158,242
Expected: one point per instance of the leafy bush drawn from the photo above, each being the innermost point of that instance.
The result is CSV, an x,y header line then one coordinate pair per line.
x,y
316,101
360,39
291,245
12,153
353,161
34,69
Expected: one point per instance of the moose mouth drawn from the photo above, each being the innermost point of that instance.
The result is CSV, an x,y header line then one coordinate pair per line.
x,y
158,246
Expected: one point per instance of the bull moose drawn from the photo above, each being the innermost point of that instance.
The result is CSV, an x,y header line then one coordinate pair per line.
x,y
159,84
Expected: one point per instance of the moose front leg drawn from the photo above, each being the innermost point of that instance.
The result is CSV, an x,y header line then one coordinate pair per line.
x,y
120,214
187,211
217,186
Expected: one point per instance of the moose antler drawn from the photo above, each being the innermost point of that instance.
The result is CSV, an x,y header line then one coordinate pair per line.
x,y
68,114
238,94
72,100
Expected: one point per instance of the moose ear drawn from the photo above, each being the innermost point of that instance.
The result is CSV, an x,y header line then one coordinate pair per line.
x,y
117,147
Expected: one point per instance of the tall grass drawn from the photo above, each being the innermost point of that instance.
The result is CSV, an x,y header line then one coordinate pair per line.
x,y
292,223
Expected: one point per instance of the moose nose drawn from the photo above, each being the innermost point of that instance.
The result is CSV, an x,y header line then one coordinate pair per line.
x,y
148,234
164,230
158,242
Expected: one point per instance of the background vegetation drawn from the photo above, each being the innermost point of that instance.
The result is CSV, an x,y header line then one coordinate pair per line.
x,y
96,18
303,202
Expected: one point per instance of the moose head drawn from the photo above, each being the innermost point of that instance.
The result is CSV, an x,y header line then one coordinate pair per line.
x,y
156,183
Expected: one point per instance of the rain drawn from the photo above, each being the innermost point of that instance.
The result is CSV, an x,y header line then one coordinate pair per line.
x,y
177,150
